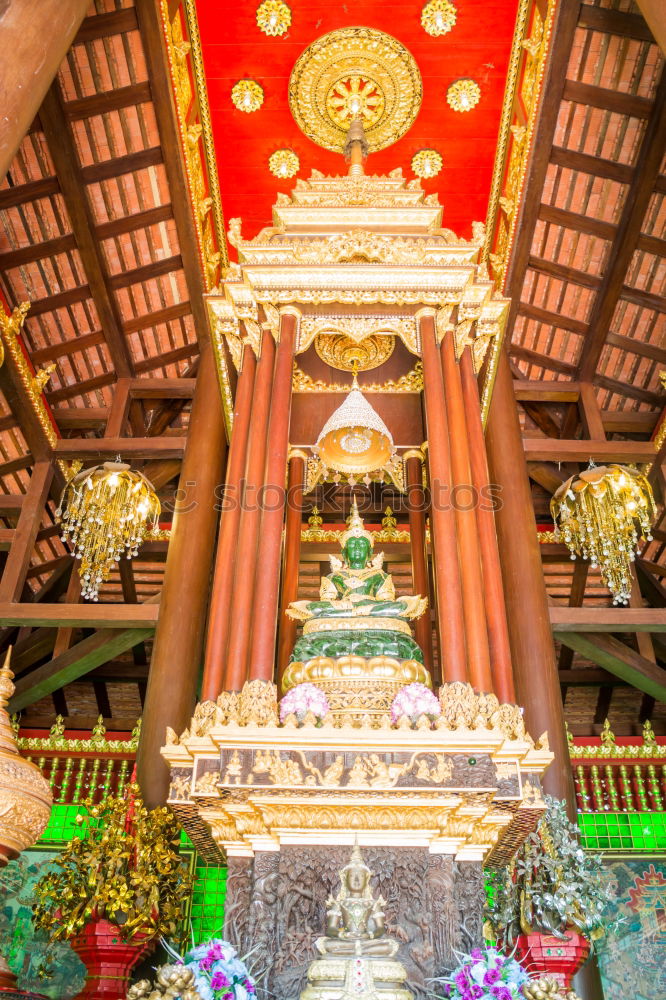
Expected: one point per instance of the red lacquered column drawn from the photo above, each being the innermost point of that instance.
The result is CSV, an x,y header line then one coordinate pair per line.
x,y
292,558
476,632
446,570
417,538
493,589
267,585
242,610
220,601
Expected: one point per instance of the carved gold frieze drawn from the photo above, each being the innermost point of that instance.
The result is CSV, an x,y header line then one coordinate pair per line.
x,y
357,329
468,786
355,72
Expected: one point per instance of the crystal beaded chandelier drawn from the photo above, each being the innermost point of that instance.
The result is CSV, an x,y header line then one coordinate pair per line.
x,y
106,512
600,515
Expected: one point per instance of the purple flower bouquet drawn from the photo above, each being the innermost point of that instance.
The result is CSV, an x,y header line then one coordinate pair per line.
x,y
486,974
218,972
413,701
302,699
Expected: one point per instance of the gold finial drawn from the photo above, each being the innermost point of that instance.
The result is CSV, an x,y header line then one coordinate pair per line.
x,y
356,860
356,528
356,146
315,520
7,738
389,523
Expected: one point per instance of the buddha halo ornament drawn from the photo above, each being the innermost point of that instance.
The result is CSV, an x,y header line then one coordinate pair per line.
x,y
463,94
247,95
600,515
426,163
273,17
283,163
438,17
106,512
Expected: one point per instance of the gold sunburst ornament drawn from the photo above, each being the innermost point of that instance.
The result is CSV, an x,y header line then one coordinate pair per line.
x,y
247,95
463,95
355,73
426,163
273,17
438,17
106,513
284,163
601,515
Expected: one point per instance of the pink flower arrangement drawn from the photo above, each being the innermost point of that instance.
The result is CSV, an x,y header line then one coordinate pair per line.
x,y
302,699
415,700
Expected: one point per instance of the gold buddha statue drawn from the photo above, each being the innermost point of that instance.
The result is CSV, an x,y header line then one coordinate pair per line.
x,y
358,956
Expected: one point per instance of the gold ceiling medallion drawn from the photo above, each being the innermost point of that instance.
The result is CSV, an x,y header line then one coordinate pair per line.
x,y
342,352
273,17
463,95
355,72
284,163
247,95
426,163
438,17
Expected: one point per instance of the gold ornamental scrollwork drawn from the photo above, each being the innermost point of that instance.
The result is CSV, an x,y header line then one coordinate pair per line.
x,y
346,354
358,328
355,71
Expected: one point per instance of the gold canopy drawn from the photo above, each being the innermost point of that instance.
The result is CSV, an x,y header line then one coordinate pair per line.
x,y
355,439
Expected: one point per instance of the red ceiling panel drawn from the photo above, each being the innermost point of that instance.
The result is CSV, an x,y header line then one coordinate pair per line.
x,y
478,46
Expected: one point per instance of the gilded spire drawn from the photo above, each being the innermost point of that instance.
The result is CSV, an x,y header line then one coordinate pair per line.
x,y
355,529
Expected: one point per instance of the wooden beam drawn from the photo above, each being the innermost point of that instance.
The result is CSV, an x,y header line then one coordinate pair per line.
x,y
580,223
578,583
646,171
20,193
162,388
120,165
591,413
627,389
36,251
65,348
545,390
555,450
156,318
80,417
614,22
586,619
103,25
594,165
552,318
100,616
108,448
32,509
108,100
157,268
130,223
70,175
644,350
608,100
563,272
542,360
75,662
619,659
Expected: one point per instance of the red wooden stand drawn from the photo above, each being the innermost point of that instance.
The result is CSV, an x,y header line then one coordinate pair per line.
x,y
108,959
543,954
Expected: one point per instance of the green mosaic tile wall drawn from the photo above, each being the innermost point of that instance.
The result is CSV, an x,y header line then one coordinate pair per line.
x,y
639,832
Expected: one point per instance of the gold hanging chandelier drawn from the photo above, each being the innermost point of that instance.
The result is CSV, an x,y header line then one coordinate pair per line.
x,y
601,514
106,513
355,439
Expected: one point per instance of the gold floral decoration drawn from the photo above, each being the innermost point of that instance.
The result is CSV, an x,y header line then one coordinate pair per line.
x,y
426,163
247,95
284,163
273,17
124,868
438,17
463,95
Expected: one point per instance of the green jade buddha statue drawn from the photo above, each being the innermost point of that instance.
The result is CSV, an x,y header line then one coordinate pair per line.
x,y
358,611
358,958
